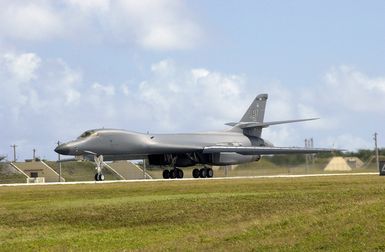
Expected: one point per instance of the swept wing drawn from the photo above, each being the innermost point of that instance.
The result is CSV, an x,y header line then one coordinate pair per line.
x,y
262,150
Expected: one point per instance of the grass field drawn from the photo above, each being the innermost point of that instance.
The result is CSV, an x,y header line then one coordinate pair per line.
x,y
302,214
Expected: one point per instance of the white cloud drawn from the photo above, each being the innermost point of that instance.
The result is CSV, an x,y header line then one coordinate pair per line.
x,y
23,66
29,20
355,91
164,68
281,136
103,90
72,96
156,25
192,95
125,89
161,25
348,141
90,5
31,85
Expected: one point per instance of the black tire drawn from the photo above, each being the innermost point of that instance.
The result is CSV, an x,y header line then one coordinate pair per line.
x,y
96,177
173,174
166,174
210,173
100,177
179,173
202,173
195,173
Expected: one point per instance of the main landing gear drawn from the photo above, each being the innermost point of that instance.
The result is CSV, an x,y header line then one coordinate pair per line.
x,y
205,172
99,166
173,173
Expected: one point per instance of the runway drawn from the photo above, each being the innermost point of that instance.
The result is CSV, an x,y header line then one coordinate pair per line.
x,y
191,179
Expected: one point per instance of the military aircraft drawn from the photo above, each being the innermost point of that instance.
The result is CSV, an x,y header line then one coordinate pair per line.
x,y
240,144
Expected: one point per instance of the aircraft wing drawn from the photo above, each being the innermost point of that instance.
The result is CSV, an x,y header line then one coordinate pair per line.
x,y
264,150
245,125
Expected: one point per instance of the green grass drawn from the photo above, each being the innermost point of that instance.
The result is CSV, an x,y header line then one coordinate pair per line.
x,y
302,214
10,177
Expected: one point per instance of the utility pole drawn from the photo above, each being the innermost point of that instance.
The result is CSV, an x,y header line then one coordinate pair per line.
x,y
307,155
312,155
376,150
34,155
58,160
14,152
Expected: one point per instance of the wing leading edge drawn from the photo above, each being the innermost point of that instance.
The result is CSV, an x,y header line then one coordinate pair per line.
x,y
265,150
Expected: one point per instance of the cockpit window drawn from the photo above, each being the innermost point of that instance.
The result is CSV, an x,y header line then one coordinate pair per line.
x,y
87,134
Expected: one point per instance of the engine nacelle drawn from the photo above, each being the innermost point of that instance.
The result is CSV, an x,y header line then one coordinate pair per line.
x,y
232,158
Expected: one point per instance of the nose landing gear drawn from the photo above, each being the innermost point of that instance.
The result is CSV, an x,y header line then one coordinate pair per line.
x,y
99,166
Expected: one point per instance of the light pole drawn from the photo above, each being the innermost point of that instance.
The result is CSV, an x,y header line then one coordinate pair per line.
x,y
14,152
376,150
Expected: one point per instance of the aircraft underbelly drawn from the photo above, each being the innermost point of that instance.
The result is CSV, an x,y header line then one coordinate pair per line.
x,y
231,158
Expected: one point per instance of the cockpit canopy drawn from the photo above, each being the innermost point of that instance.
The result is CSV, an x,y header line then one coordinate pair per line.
x,y
87,134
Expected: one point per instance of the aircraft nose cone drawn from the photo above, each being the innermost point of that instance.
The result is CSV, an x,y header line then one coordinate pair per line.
x,y
62,149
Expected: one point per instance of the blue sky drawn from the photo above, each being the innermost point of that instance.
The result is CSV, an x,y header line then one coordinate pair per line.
x,y
175,66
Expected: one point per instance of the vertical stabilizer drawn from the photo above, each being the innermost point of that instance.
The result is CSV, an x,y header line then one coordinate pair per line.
x,y
256,111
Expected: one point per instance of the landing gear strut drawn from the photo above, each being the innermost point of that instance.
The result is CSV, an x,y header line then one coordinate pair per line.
x,y
99,166
205,172
173,173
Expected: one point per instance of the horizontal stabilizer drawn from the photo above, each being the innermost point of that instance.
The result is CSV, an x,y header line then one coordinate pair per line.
x,y
263,150
245,125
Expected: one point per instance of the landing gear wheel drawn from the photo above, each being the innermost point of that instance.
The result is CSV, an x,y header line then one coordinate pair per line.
x,y
99,166
210,172
203,173
166,174
173,173
100,177
179,173
195,173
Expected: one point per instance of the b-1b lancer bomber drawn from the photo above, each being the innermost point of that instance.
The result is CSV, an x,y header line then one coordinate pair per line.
x,y
241,143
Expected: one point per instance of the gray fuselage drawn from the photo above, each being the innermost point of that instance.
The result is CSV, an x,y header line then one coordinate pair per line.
x,y
121,144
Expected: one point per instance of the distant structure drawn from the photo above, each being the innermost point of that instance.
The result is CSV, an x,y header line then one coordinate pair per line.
x,y
310,158
36,171
354,162
337,164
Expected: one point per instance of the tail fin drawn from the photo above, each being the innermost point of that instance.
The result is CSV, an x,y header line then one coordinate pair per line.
x,y
252,121
256,111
